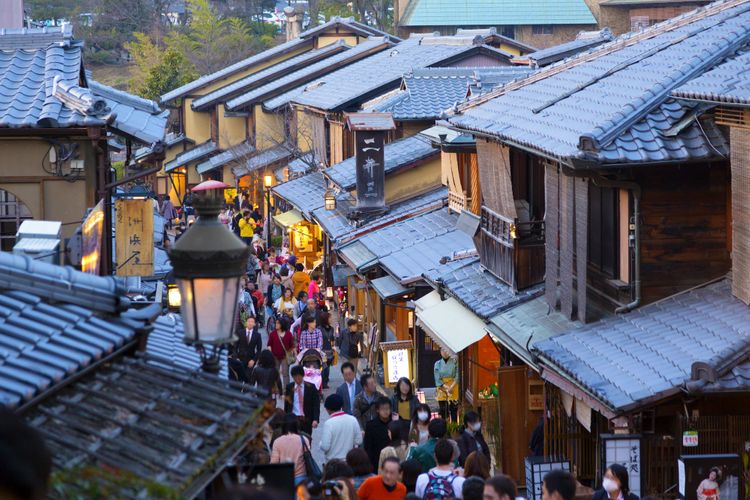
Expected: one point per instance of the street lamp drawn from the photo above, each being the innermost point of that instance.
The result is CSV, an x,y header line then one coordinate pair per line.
x,y
330,199
268,182
208,262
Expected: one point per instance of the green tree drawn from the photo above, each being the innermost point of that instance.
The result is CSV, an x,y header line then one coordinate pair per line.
x,y
54,10
157,70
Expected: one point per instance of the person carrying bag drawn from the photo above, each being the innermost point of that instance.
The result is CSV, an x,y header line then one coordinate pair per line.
x,y
311,466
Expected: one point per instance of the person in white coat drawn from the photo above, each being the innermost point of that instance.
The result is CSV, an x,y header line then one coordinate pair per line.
x,y
341,432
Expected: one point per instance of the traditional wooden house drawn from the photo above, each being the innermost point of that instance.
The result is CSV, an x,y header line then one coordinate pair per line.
x,y
636,204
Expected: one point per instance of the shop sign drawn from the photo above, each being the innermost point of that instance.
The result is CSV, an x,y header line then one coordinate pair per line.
x,y
134,237
370,164
690,439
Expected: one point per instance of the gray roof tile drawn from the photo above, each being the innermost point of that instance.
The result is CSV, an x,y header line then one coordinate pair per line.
x,y
263,159
236,153
277,94
304,193
377,74
559,52
643,354
728,83
426,93
192,155
616,97
398,154
481,292
340,229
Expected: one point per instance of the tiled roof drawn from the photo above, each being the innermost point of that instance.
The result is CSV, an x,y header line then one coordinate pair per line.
x,y
135,117
263,159
304,193
236,153
522,327
377,74
736,379
54,322
728,83
495,13
135,429
628,360
166,342
273,72
341,229
480,291
281,91
427,92
612,105
305,38
398,154
584,41
411,247
192,155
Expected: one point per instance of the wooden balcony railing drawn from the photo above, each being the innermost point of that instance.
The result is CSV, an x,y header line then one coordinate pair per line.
x,y
512,250
457,201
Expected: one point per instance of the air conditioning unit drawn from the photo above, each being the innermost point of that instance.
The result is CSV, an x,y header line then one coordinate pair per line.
x,y
40,240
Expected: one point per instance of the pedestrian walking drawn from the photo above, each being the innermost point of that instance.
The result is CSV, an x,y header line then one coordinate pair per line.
x,y
385,486
360,463
473,489
281,344
471,438
301,304
419,434
168,211
441,481
247,228
404,403
289,448
285,304
446,382
265,374
616,484
376,431
351,340
350,388
300,279
246,350
559,485
310,337
398,445
499,487
477,464
324,325
286,280
341,432
303,400
364,403
273,293
265,276
313,288
425,453
410,471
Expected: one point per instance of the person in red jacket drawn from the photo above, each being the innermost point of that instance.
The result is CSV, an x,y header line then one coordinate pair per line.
x,y
281,343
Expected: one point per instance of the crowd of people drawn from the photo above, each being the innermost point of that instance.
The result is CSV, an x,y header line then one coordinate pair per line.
x,y
374,446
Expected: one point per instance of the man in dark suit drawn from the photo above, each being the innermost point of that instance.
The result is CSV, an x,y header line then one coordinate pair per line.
x,y
247,350
350,388
303,400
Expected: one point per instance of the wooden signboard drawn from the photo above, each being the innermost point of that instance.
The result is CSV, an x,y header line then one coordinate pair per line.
x,y
134,237
397,361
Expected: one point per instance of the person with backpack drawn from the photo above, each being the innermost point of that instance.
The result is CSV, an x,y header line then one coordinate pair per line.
x,y
442,481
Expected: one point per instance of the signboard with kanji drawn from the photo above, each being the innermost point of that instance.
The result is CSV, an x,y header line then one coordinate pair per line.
x,y
370,159
91,239
134,237
624,449
397,361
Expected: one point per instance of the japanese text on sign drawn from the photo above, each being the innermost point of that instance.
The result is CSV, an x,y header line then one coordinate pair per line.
x,y
134,237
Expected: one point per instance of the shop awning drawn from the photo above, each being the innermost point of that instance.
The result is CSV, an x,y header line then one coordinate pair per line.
x,y
426,302
288,219
451,325
387,287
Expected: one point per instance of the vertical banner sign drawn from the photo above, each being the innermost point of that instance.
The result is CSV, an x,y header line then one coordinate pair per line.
x,y
370,158
134,237
624,449
91,239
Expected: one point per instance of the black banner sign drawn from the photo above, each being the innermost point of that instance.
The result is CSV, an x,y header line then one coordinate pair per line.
x,y
370,169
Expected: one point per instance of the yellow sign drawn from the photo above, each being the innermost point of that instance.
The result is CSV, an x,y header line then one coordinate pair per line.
x,y
91,239
134,237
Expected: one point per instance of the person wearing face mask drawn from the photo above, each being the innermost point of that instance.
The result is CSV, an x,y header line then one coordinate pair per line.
x,y
471,438
615,485
446,382
418,435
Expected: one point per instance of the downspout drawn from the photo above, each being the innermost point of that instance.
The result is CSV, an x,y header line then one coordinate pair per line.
x,y
635,189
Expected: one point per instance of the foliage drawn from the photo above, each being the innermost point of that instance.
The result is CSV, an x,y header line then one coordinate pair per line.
x,y
119,167
454,428
90,481
156,70
51,10
331,8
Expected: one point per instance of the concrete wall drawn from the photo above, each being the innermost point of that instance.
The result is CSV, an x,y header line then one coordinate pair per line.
x,y
48,197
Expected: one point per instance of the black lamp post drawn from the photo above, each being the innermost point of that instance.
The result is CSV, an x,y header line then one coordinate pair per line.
x,y
208,262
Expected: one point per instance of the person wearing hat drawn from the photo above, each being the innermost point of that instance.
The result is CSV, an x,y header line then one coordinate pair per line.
x,y
341,431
